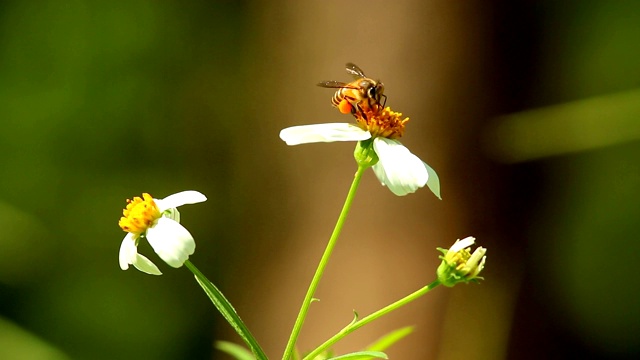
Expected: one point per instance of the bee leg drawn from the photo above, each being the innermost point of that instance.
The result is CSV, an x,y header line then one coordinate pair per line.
x,y
357,109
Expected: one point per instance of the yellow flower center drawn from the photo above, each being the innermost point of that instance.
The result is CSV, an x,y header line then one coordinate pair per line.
x,y
460,258
382,122
139,214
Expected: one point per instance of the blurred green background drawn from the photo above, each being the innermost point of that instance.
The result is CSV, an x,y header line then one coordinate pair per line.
x,y
529,112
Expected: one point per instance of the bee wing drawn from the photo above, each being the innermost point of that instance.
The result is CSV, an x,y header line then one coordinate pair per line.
x,y
335,84
354,70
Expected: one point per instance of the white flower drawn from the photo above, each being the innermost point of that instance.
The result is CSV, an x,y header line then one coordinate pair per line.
x,y
157,220
398,169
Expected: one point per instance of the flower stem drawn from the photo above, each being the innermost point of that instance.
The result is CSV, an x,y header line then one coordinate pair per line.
x,y
228,312
356,324
321,266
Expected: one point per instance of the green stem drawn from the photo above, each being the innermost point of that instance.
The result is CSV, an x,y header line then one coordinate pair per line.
x,y
356,324
321,266
228,312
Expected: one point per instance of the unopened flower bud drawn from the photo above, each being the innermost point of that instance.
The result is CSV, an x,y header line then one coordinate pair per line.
x,y
459,264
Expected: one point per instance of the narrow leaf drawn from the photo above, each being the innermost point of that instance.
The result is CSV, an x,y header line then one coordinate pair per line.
x,y
228,312
389,339
355,318
359,355
235,350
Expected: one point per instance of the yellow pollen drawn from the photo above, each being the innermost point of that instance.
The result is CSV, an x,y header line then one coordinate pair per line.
x,y
460,259
139,214
382,122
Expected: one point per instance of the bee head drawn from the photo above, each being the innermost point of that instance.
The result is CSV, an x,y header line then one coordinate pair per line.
x,y
374,90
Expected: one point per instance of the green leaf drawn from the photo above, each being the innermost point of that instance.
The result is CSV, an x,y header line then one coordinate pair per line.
x,y
391,338
360,355
355,318
323,356
235,350
228,312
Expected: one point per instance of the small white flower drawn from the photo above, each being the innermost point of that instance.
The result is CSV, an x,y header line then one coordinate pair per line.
x,y
157,220
398,169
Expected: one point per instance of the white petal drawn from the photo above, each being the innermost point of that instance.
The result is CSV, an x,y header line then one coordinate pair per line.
x,y
461,244
172,214
434,181
398,168
306,134
145,265
481,266
171,241
128,251
179,199
129,255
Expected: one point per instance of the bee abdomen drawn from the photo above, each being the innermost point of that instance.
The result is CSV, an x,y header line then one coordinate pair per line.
x,y
337,98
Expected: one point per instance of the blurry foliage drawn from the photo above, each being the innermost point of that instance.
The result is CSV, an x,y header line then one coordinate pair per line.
x,y
100,101
104,100
594,244
584,232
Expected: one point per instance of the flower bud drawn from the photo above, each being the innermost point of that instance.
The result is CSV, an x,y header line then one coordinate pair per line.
x,y
459,264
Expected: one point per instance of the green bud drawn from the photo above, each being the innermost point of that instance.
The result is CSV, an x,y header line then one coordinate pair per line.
x,y
459,264
364,154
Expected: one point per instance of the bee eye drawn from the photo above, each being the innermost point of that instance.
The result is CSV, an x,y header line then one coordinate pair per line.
x,y
371,92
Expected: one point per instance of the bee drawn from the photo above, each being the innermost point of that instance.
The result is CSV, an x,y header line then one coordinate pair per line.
x,y
356,96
